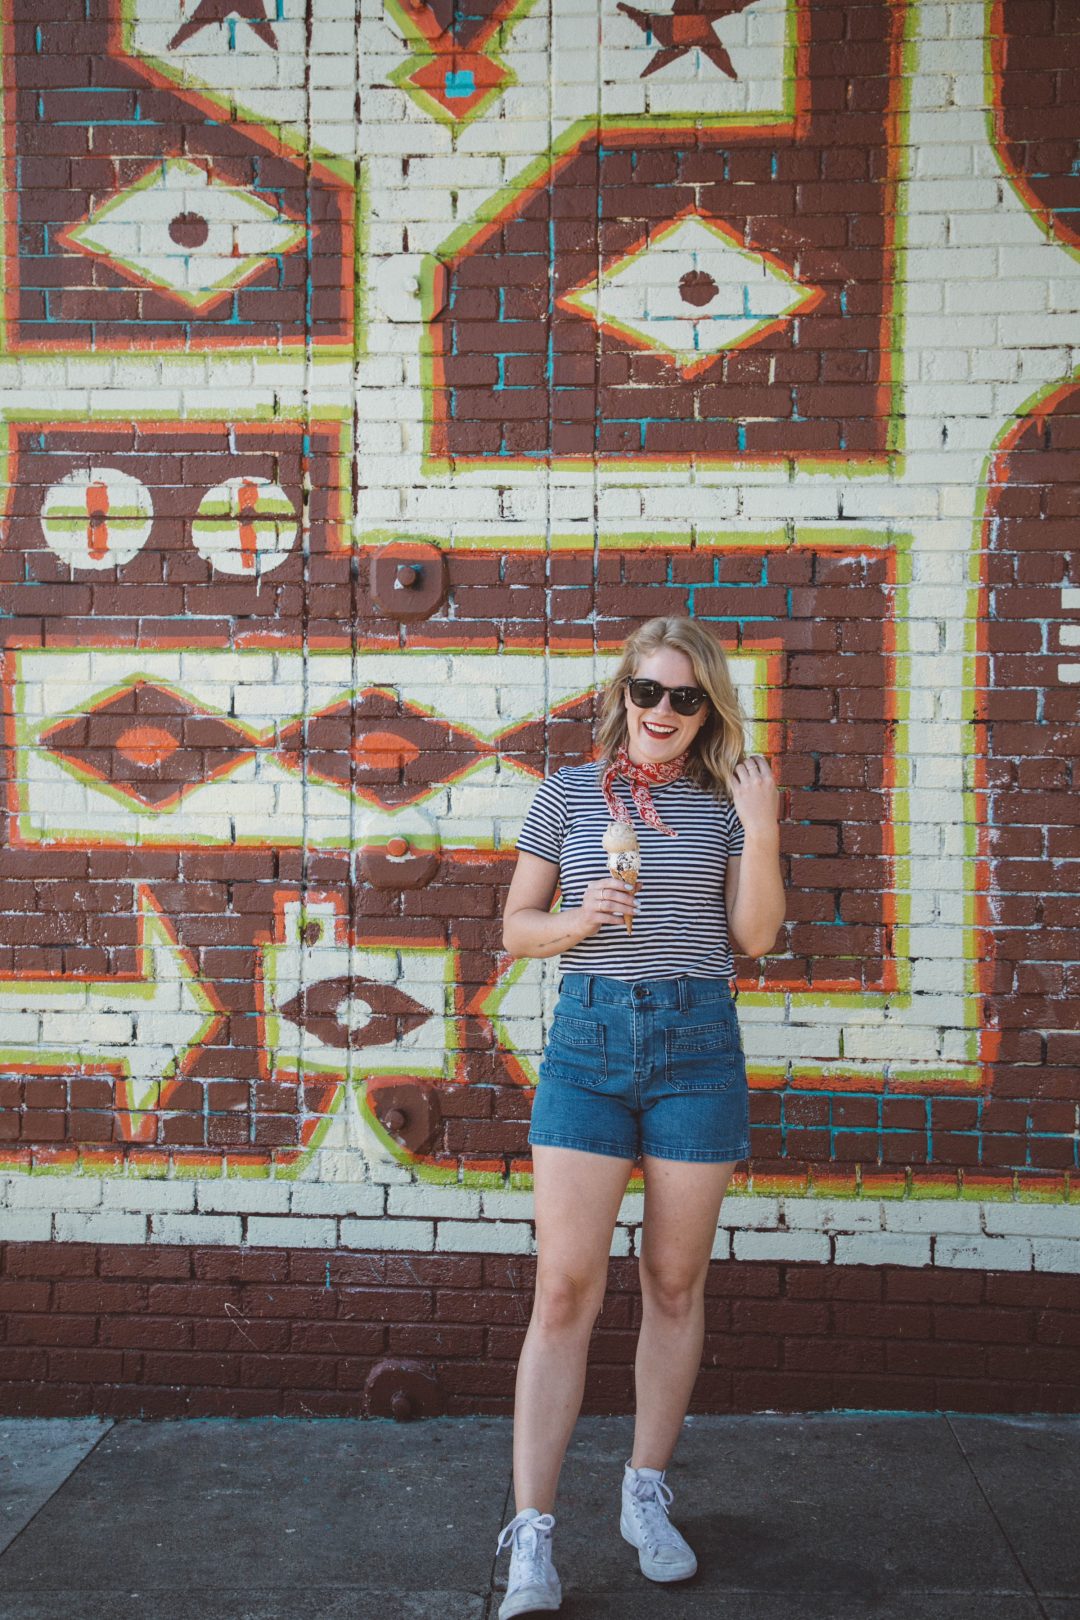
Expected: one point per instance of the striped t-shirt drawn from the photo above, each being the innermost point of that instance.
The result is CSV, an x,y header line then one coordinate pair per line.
x,y
680,926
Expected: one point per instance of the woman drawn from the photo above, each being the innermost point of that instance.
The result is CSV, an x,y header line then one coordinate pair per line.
x,y
643,1058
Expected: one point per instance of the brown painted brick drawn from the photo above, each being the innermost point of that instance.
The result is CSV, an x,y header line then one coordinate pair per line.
x,y
241,1265
23,1296
152,1261
781,1316
99,1298
987,1325
146,1332
50,1260
385,1305
187,1368
937,1359
51,1329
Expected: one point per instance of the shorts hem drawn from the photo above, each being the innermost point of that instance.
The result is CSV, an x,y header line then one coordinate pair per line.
x,y
583,1145
697,1155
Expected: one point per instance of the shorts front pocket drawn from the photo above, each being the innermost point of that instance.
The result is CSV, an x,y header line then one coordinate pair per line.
x,y
575,1052
704,1057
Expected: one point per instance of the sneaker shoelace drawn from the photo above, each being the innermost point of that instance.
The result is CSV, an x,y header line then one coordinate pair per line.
x,y
529,1538
652,1498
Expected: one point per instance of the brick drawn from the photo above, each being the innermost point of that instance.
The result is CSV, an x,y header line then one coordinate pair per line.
x,y
388,1234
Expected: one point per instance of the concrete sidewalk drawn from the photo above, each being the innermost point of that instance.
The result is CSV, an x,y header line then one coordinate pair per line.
x,y
793,1518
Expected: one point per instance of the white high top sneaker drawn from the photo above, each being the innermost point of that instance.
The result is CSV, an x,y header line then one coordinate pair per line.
x,y
532,1583
662,1552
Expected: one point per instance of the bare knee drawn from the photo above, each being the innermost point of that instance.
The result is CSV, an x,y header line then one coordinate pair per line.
x,y
674,1294
566,1302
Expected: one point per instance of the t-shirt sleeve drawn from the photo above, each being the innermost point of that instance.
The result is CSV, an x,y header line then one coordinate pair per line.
x,y
545,825
734,829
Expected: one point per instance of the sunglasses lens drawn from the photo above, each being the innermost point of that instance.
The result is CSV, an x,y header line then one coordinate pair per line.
x,y
645,694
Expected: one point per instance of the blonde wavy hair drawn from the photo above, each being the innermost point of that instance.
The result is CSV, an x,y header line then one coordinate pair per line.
x,y
720,745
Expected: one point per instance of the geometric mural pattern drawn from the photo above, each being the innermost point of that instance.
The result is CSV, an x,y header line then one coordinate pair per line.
x,y
367,381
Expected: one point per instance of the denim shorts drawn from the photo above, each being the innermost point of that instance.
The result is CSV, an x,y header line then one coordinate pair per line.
x,y
648,1066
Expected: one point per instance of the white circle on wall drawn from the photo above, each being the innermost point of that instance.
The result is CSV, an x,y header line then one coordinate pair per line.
x,y
245,526
97,517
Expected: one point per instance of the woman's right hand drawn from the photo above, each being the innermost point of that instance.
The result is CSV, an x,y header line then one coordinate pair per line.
x,y
608,900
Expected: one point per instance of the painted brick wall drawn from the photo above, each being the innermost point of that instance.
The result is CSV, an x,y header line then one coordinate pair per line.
x,y
368,372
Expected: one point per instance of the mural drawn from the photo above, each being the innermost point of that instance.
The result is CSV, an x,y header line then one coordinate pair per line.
x,y
1034,67
370,381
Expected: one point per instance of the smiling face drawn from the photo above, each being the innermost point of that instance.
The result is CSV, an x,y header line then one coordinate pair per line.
x,y
658,735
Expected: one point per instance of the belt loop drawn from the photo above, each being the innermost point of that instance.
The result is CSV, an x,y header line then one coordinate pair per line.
x,y
684,994
587,997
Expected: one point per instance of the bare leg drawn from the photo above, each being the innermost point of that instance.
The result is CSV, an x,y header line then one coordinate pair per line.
x,y
682,1207
577,1202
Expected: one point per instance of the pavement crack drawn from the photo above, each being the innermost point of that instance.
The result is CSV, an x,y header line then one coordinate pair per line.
x,y
70,1475
995,1516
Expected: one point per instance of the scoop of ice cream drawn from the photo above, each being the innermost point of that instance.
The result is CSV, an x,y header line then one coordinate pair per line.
x,y
620,838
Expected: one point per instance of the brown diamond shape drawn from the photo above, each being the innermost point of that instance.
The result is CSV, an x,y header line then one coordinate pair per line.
x,y
381,747
317,1008
149,743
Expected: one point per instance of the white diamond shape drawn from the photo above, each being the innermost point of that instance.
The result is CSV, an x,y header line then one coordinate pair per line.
x,y
744,293
183,232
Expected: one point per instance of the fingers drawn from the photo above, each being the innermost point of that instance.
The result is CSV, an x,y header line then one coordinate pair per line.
x,y
614,900
754,765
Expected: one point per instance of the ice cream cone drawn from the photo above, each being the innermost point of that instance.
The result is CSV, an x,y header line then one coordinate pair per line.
x,y
624,859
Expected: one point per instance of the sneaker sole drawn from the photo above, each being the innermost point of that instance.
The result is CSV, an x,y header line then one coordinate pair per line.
x,y
530,1600
651,1571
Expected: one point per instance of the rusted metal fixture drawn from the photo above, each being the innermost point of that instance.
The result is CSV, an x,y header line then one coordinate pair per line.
x,y
402,1390
408,1110
399,851
409,579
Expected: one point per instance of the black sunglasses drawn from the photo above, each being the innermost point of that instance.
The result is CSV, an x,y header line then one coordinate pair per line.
x,y
645,694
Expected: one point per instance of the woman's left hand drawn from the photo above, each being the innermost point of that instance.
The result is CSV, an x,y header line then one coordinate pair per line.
x,y
755,794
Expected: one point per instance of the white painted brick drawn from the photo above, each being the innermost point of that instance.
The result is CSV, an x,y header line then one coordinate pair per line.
x,y
237,1196
983,1254
882,1249
196,1229
1040,1220
780,1246
1055,1254
388,1234
750,1212
433,1201
54,1192
484,1237
831,1214
632,1208
134,1194
292,1232
620,1243
931,1215
25,1226
74,1227
513,1206
721,1248
336,1198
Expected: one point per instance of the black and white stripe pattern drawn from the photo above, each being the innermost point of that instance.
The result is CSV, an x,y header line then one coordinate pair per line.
x,y
680,927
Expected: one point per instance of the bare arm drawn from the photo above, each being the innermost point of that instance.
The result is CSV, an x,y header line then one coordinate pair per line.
x,y
530,928
753,885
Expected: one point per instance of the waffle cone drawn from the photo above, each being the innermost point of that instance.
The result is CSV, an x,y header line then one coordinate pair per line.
x,y
631,879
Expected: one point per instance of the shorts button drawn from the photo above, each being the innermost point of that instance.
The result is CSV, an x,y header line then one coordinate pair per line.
x,y
640,992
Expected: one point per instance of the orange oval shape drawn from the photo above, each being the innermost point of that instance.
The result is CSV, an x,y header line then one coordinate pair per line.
x,y
146,745
383,751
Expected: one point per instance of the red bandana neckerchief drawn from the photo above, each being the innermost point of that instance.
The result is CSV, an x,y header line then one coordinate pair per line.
x,y
641,778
